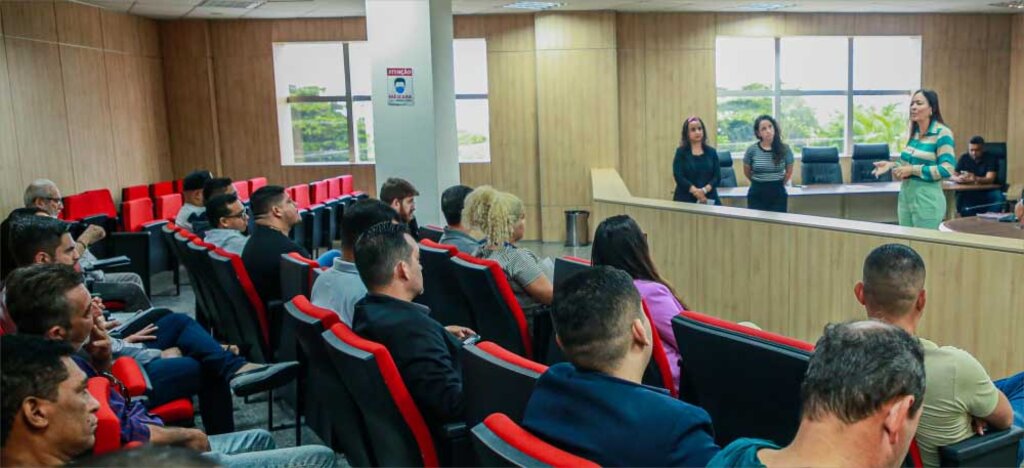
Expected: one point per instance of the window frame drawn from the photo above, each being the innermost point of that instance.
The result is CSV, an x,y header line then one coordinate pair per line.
x,y
777,93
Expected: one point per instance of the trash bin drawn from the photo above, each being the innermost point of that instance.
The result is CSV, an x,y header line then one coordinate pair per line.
x,y
577,228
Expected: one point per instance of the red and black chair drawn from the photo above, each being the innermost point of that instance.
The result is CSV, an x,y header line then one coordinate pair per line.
x,y
141,241
309,233
431,232
159,189
322,398
495,309
242,190
108,426
256,183
499,441
320,194
91,207
167,206
495,380
441,291
397,433
250,314
658,372
568,266
995,448
296,275
732,371
136,382
134,192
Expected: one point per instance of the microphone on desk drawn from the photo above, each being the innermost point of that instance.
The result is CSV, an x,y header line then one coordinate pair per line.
x,y
971,208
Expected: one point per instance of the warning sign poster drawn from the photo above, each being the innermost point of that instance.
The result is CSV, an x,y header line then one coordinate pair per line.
x,y
400,91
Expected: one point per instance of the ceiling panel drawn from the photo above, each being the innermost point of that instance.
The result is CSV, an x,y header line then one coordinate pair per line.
x,y
160,10
217,13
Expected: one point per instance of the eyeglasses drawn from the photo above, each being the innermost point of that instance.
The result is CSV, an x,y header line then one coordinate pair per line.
x,y
53,199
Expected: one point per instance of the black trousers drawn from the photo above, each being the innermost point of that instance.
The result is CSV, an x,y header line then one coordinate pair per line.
x,y
768,196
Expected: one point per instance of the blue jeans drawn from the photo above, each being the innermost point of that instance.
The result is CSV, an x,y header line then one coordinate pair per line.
x,y
1013,388
204,370
256,448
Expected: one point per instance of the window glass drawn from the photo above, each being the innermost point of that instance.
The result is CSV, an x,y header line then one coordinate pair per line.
x,y
814,63
745,63
813,121
886,63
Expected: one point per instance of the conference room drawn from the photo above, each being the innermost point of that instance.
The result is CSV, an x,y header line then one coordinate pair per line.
x,y
751,166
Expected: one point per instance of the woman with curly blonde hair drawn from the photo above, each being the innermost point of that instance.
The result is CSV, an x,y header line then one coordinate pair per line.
x,y
501,218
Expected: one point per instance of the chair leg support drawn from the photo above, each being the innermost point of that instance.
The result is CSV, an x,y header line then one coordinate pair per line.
x,y
270,410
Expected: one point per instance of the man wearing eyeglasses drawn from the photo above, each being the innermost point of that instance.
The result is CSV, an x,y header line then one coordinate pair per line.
x,y
229,221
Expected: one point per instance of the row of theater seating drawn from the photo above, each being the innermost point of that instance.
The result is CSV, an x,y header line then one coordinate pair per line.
x,y
321,205
728,369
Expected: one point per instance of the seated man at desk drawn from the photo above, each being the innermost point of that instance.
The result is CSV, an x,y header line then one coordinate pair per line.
x,y
977,167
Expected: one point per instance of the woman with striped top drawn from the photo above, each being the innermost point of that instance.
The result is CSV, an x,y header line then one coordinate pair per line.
x,y
768,164
927,159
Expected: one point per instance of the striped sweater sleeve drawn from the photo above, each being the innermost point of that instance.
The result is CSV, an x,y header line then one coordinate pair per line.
x,y
945,163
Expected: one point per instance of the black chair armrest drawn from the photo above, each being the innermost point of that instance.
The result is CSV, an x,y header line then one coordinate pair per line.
x,y
112,262
134,245
996,448
139,321
454,430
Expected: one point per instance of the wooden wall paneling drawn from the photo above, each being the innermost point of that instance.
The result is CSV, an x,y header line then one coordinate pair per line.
x,y
995,107
188,82
675,31
37,92
238,38
149,38
11,185
120,31
748,24
30,20
160,162
1015,118
126,141
629,30
89,121
819,24
575,30
79,24
184,38
475,174
247,117
308,30
888,24
512,96
633,121
504,33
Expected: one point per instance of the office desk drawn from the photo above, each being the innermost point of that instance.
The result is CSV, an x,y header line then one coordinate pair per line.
x,y
983,226
875,202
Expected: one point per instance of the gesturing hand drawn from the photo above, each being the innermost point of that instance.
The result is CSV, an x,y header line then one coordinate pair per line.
x,y
98,348
881,167
460,332
146,334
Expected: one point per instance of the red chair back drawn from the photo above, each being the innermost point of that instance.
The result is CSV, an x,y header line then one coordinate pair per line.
x,y
179,186
496,310
108,426
161,188
735,327
167,206
347,184
256,183
242,189
136,213
496,380
89,203
398,433
134,192
320,190
300,193
334,187
659,360
501,442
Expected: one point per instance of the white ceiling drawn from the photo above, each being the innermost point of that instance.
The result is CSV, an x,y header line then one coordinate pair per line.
x,y
173,9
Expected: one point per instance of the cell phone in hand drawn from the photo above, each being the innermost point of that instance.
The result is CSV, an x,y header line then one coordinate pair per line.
x,y
471,340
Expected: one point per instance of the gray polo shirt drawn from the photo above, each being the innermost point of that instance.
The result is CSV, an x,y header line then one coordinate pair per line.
x,y
231,240
462,241
339,289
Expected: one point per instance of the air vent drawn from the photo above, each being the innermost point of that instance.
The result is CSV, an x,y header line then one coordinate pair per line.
x,y
239,4
536,6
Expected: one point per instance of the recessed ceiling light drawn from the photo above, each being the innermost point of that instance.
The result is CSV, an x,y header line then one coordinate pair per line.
x,y
241,4
763,6
538,6
1017,5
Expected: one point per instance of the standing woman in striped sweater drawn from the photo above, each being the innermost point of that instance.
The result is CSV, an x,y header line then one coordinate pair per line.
x,y
927,159
768,164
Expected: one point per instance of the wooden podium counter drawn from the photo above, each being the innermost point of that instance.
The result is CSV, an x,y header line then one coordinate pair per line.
x,y
793,274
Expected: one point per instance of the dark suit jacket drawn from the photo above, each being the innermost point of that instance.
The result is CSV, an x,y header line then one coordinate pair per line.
x,y
424,352
614,422
262,259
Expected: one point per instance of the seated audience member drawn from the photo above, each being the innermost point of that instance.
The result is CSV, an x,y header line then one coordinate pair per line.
x,y
426,353
124,287
340,287
276,214
228,220
861,397
501,218
453,200
960,397
7,264
208,369
594,405
211,188
977,167
192,198
51,301
48,415
620,243
401,196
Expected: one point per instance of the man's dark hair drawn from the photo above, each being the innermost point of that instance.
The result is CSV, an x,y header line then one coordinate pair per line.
x,y
265,198
859,366
215,186
363,215
453,200
152,456
32,234
195,180
977,140
29,366
379,250
396,189
37,296
591,312
219,207
893,276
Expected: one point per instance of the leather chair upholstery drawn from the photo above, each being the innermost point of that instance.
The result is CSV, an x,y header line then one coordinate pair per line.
x,y
495,309
499,441
441,291
864,158
820,165
727,172
495,380
296,275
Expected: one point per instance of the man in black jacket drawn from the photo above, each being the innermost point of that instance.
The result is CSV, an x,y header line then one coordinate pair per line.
x,y
425,352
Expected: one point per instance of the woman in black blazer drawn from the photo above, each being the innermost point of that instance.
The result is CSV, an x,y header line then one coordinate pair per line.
x,y
695,166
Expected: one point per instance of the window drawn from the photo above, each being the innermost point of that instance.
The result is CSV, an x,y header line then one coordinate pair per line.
x,y
824,91
325,106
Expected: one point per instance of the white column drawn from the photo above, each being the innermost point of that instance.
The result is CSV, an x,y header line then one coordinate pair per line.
x,y
414,136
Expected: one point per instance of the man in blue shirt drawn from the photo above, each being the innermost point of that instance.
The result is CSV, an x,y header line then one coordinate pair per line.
x,y
862,397
594,406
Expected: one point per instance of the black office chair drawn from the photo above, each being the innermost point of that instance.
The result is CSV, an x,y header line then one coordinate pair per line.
x,y
864,158
727,174
566,267
820,165
997,150
495,380
996,448
441,291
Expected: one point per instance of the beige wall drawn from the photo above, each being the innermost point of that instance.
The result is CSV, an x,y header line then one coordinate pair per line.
x,y
81,99
642,74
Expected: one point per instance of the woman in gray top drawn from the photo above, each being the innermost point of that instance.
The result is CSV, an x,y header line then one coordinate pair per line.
x,y
768,164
